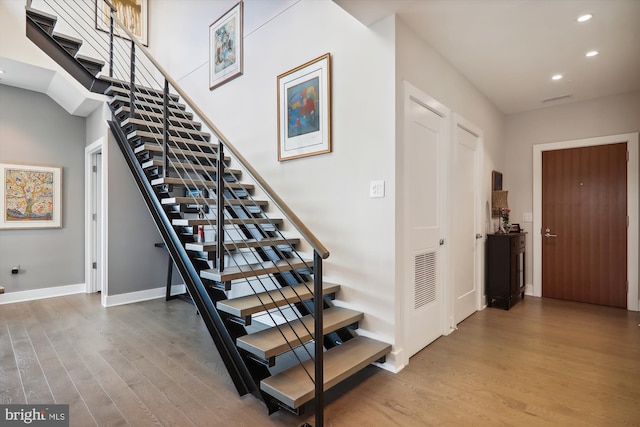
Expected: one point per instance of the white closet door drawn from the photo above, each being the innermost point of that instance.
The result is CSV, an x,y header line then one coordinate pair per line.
x,y
426,124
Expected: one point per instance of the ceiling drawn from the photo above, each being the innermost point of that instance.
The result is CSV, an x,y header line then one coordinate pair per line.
x,y
510,49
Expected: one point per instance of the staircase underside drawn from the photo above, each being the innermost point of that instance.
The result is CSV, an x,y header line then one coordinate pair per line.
x,y
58,53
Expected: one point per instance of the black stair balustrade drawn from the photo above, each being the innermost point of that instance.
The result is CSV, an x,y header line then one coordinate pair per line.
x,y
223,242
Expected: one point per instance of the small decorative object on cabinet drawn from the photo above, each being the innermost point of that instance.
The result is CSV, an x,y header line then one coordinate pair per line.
x,y
505,269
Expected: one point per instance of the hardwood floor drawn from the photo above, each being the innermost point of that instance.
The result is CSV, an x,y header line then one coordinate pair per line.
x,y
543,363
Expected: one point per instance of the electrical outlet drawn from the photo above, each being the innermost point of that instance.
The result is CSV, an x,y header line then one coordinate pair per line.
x,y
527,217
376,189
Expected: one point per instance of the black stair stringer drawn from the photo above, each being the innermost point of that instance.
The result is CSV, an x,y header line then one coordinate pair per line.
x,y
233,360
57,52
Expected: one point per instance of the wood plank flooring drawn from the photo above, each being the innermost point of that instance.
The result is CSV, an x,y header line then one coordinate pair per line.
x,y
543,363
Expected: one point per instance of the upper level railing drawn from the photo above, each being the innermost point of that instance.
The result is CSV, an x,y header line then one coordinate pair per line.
x,y
194,163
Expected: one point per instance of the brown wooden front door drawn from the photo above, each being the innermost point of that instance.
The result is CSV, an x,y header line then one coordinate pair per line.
x,y
584,224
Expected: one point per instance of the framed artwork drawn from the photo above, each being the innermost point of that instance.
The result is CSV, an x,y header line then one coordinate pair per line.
x,y
496,181
134,14
496,185
304,110
225,47
30,196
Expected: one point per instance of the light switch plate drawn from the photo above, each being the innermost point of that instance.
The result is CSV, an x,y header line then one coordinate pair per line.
x,y
376,189
527,217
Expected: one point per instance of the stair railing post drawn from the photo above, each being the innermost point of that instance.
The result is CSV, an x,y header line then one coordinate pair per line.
x,y
112,11
318,305
132,85
220,207
165,130
111,43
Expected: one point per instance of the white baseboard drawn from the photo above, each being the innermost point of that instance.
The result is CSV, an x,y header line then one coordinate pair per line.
x,y
35,294
392,361
147,294
528,289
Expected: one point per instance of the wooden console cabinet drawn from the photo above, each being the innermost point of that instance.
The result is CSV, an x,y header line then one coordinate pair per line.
x,y
505,269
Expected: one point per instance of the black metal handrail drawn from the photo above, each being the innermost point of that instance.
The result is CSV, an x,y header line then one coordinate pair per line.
x,y
140,76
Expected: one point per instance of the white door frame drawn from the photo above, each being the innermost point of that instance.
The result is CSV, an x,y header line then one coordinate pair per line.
x,y
460,123
633,207
90,151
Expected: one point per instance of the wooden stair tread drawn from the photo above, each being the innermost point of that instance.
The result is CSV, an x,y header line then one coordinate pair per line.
x,y
191,222
198,183
155,98
66,37
68,43
184,116
125,84
212,202
252,270
157,127
157,148
140,90
84,58
188,167
239,244
93,65
118,99
44,20
293,387
157,136
251,304
276,340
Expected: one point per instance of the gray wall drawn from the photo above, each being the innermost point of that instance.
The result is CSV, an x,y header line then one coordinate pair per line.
x,y
134,263
35,130
598,117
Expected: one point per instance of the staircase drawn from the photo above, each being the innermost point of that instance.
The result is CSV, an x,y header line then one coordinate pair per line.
x,y
254,286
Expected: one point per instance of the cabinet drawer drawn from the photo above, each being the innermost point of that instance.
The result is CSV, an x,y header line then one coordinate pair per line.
x,y
517,242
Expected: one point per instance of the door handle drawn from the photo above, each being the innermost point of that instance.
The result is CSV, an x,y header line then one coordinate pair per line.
x,y
547,235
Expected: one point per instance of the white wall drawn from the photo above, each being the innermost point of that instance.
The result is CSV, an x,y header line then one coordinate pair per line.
x,y
600,117
330,193
419,64
19,55
13,42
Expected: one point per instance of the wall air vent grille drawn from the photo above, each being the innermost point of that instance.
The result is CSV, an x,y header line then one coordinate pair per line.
x,y
425,280
557,98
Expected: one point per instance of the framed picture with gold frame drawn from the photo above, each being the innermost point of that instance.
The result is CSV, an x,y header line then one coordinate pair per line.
x,y
304,110
134,14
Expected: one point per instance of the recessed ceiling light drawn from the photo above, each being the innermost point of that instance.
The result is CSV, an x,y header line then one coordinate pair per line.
x,y
556,77
592,53
1,71
584,18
